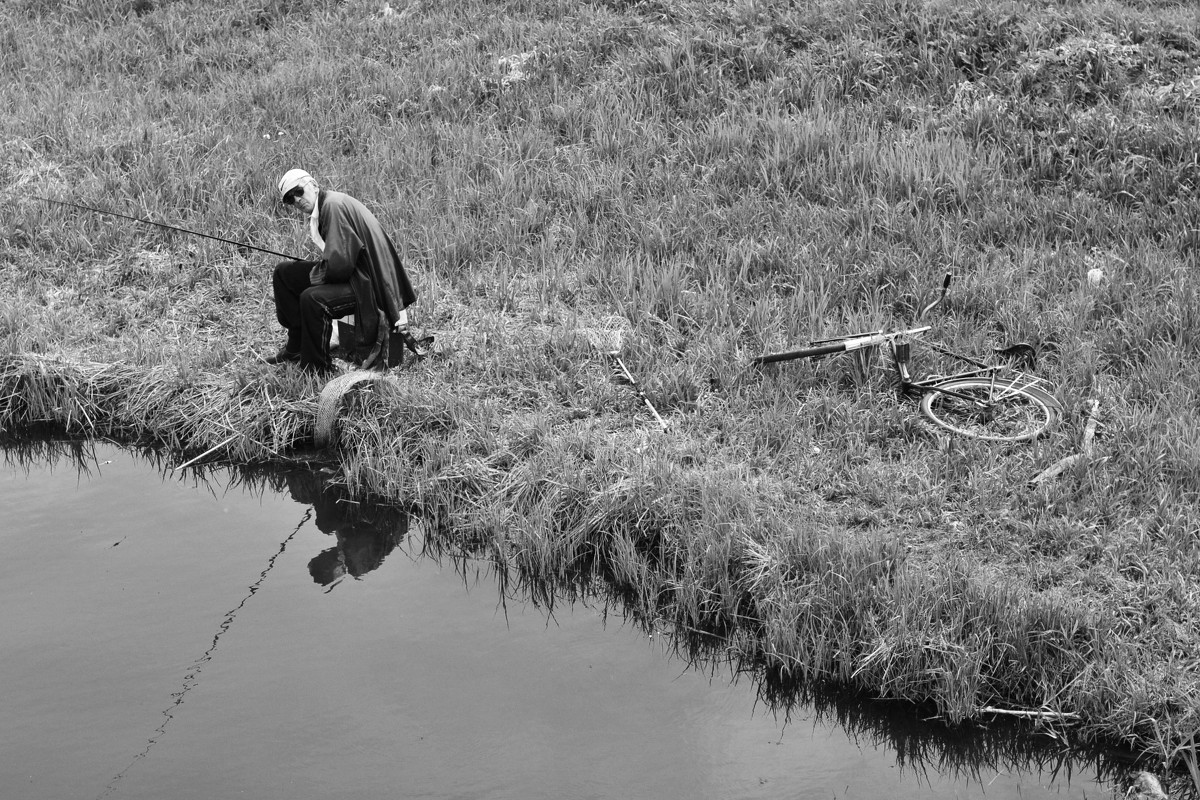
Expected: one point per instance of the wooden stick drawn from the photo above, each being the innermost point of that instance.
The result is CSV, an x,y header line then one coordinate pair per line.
x,y
1089,430
206,452
638,391
1060,466
1013,713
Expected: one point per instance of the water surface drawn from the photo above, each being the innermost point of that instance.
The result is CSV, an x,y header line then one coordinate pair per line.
x,y
171,637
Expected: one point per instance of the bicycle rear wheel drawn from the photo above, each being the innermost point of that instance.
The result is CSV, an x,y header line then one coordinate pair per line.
x,y
999,410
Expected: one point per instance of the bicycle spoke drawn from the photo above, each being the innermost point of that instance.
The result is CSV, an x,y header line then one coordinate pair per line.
x,y
1012,388
989,408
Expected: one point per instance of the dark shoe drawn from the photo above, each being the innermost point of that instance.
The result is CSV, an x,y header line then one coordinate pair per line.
x,y
282,357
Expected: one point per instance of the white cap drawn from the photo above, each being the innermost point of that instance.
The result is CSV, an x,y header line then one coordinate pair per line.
x,y
291,179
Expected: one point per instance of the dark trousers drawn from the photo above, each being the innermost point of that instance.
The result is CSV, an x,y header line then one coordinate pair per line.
x,y
307,311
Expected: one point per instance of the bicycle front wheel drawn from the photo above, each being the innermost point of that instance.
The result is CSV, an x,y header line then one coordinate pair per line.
x,y
994,410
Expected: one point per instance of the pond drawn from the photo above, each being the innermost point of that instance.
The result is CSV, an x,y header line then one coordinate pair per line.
x,y
167,635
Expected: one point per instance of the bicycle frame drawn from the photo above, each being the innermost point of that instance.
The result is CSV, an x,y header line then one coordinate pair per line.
x,y
856,341
842,344
992,402
907,385
900,353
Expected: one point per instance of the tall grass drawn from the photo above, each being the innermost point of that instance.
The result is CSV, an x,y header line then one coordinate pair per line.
x,y
730,178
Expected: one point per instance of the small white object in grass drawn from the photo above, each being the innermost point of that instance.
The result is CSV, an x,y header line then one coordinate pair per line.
x,y
515,65
1146,787
1095,276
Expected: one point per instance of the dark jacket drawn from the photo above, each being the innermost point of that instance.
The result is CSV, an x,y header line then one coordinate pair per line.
x,y
359,252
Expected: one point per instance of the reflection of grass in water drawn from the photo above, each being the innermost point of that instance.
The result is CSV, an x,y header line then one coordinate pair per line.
x,y
966,752
973,752
26,452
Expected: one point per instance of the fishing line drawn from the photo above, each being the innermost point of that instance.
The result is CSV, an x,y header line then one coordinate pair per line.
x,y
233,242
192,678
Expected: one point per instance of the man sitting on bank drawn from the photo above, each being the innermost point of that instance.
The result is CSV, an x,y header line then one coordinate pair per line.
x,y
359,273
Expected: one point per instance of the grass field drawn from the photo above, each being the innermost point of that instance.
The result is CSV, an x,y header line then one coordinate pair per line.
x,y
726,179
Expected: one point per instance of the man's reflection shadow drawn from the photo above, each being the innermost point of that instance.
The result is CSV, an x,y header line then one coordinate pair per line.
x,y
365,534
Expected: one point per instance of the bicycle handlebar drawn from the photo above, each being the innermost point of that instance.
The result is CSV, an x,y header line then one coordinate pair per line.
x,y
806,352
941,297
840,346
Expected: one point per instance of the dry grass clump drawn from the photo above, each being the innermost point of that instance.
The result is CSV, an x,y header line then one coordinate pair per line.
x,y
183,412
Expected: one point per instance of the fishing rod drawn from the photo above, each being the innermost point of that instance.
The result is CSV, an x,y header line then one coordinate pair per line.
x,y
420,348
164,225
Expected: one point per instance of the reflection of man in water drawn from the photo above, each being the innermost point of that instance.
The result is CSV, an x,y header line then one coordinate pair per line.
x,y
365,534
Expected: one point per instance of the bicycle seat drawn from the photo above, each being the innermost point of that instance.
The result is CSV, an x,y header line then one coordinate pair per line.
x,y
1022,354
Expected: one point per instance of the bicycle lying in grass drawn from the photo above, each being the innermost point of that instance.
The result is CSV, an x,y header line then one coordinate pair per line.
x,y
992,402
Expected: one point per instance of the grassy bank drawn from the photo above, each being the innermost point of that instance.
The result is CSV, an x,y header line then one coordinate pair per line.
x,y
728,179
